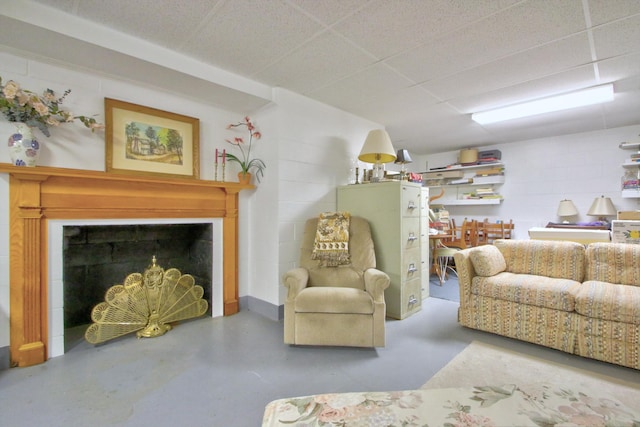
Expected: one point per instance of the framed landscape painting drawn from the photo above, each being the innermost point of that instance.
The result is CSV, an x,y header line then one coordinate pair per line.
x,y
146,141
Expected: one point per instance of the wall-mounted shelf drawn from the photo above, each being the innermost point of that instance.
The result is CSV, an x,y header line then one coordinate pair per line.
x,y
460,167
630,145
462,202
488,180
467,180
631,194
632,167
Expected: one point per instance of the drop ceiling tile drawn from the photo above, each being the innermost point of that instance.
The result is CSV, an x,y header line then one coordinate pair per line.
x,y
625,110
516,69
365,86
408,102
64,5
603,11
618,38
323,60
621,67
165,23
567,81
388,27
524,26
245,36
329,11
439,128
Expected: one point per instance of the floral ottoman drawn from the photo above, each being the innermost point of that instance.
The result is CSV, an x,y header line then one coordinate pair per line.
x,y
506,405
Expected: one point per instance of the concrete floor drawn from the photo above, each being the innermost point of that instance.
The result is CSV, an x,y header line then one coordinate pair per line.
x,y
223,371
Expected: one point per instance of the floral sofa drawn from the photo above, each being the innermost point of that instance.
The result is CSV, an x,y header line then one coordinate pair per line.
x,y
561,295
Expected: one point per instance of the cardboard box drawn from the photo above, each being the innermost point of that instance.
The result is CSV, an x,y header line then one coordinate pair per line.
x,y
627,215
625,231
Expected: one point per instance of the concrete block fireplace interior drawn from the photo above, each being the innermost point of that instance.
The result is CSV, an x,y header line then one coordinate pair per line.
x,y
41,195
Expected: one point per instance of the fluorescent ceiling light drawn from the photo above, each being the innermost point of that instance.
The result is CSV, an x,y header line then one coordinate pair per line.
x,y
580,98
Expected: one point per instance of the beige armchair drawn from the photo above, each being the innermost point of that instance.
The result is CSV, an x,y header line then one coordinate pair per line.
x,y
340,306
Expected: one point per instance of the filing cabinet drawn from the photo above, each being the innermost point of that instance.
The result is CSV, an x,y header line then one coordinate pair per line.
x,y
393,209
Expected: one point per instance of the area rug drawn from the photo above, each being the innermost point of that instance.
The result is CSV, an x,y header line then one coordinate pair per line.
x,y
482,364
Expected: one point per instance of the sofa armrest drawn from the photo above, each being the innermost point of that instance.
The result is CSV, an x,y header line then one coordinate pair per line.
x,y
465,270
295,280
375,282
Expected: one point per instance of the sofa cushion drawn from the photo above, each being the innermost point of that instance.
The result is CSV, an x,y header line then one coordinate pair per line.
x,y
559,259
487,260
607,301
333,300
541,291
613,263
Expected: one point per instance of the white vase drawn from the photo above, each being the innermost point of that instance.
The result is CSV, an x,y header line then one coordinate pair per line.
x,y
24,149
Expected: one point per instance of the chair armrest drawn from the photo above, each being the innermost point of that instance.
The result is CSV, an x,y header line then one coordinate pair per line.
x,y
375,282
296,280
465,270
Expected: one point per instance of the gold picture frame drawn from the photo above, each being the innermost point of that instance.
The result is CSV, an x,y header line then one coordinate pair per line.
x,y
147,141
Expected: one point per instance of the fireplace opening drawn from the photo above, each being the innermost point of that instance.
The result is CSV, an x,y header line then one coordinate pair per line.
x,y
96,257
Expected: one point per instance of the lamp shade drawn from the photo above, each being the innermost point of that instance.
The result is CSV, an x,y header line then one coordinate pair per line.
x,y
567,208
403,157
377,148
602,206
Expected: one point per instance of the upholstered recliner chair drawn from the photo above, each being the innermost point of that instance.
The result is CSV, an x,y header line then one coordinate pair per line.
x,y
341,305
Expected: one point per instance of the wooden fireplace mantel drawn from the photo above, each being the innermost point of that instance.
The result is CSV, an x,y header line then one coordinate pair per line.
x,y
43,193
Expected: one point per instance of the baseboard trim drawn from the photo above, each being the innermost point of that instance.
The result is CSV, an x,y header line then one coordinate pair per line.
x,y
266,309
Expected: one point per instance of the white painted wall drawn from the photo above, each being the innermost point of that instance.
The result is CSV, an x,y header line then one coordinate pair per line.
x,y
317,143
541,172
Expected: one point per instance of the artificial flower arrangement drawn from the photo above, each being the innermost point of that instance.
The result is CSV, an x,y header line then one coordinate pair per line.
x,y
41,111
247,164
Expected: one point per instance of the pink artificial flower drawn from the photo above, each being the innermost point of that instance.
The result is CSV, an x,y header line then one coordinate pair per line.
x,y
11,89
42,109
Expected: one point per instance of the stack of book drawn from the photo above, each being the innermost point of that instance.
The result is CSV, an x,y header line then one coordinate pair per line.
x,y
482,193
498,170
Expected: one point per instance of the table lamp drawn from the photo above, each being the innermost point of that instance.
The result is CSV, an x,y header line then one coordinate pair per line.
x,y
602,207
566,208
377,149
402,158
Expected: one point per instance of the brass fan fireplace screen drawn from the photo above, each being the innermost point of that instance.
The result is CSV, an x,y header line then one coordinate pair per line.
x,y
146,303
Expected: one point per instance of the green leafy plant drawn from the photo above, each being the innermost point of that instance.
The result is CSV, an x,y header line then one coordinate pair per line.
x,y
41,111
247,164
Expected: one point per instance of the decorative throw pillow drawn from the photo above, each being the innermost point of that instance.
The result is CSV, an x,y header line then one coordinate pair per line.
x,y
487,260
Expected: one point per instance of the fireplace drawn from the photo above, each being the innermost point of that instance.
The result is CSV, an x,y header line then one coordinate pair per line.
x,y
97,254
42,196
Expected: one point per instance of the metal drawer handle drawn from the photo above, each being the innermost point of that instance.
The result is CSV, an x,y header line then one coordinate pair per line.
x,y
412,268
412,205
412,300
412,237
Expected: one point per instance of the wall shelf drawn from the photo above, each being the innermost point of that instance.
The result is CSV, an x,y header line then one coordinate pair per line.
x,y
465,180
631,165
460,167
462,202
631,193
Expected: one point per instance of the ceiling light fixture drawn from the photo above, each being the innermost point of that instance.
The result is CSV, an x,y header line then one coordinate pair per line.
x,y
593,95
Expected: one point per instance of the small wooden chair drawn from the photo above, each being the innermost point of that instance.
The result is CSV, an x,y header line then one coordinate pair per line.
x,y
464,237
491,231
508,229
